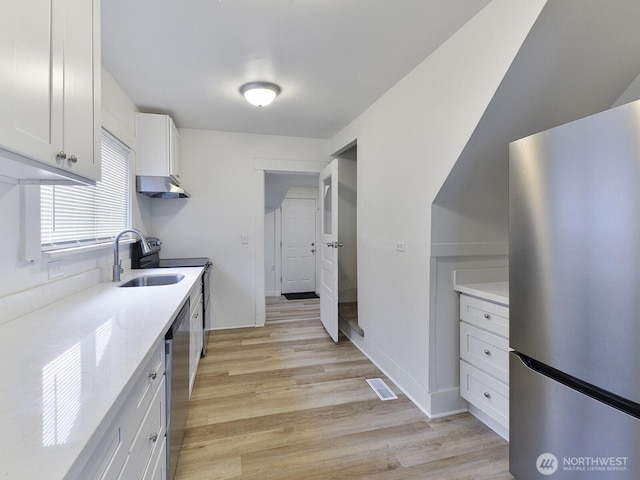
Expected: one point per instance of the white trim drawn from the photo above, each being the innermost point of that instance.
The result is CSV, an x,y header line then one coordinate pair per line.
x,y
489,422
66,251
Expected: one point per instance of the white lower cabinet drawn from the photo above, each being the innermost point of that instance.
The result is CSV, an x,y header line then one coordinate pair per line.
x,y
484,361
134,443
148,439
158,466
195,334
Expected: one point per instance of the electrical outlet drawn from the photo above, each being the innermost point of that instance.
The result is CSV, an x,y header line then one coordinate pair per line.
x,y
55,268
400,246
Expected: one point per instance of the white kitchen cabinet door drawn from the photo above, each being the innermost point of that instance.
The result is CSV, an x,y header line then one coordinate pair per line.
x,y
31,78
82,120
50,87
195,335
174,157
158,146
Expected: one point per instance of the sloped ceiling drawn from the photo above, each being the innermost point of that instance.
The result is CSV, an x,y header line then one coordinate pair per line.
x,y
578,59
332,58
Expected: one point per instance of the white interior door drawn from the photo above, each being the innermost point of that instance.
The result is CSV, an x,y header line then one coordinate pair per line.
x,y
328,249
298,245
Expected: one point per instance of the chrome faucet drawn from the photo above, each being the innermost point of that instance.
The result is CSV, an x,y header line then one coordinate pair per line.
x,y
117,267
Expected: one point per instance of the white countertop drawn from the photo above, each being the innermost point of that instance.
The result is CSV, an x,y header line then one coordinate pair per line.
x,y
494,291
63,367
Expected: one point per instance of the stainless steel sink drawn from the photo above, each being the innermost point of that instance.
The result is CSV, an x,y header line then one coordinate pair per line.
x,y
152,280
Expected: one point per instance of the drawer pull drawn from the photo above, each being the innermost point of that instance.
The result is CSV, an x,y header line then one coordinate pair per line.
x,y
487,316
487,395
487,351
153,374
154,437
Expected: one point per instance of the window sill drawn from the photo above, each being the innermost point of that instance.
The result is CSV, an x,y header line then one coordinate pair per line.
x,y
68,251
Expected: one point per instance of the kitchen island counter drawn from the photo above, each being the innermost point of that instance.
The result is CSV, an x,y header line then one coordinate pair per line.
x,y
66,370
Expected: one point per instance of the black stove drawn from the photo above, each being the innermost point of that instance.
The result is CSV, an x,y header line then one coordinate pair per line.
x,y
153,260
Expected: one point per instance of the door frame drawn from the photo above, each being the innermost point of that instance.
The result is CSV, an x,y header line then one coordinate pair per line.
x,y
260,167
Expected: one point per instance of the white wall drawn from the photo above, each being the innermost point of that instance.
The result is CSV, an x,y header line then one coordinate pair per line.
x,y
408,141
218,171
80,269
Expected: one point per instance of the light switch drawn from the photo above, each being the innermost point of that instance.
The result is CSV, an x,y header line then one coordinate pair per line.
x,y
244,238
400,246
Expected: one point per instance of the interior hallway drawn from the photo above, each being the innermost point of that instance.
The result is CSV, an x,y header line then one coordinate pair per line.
x,y
284,402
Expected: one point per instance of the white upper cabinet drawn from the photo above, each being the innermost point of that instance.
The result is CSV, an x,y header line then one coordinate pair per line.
x,y
158,146
50,90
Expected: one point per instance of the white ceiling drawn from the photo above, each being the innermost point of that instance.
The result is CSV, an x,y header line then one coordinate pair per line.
x,y
332,58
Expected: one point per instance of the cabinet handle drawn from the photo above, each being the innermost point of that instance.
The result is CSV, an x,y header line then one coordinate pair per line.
x,y
61,156
487,316
154,437
73,159
153,374
487,351
487,395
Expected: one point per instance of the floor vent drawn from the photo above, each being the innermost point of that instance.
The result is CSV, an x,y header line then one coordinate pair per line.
x,y
381,389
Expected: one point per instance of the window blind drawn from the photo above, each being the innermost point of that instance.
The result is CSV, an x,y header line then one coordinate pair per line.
x,y
83,215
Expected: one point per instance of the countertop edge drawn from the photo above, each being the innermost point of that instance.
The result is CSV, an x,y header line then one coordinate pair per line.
x,y
497,292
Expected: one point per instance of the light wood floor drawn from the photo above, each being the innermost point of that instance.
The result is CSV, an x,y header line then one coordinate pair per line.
x,y
284,402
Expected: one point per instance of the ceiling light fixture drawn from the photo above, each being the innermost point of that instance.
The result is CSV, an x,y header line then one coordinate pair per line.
x,y
260,94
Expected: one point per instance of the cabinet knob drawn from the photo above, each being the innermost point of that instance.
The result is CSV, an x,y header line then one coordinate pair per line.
x,y
61,156
154,437
487,351
73,159
153,374
487,316
487,395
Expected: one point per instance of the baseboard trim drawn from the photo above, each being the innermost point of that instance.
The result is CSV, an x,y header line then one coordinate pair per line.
x,y
435,405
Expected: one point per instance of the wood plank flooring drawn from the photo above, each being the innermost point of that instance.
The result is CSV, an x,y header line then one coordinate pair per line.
x,y
284,402
280,309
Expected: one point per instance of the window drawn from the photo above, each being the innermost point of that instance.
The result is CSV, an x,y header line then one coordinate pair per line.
x,y
84,215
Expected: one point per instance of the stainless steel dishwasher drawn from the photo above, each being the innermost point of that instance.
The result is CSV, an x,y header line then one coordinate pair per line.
x,y
177,343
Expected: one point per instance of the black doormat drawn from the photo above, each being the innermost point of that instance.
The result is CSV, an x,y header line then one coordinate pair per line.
x,y
300,296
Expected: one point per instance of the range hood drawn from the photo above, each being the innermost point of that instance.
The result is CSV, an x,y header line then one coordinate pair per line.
x,y
159,187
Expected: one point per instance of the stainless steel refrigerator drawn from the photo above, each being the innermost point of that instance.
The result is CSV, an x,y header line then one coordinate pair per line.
x,y
574,300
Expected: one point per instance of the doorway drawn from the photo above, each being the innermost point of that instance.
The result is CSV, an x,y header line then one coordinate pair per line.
x,y
348,235
290,225
267,265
